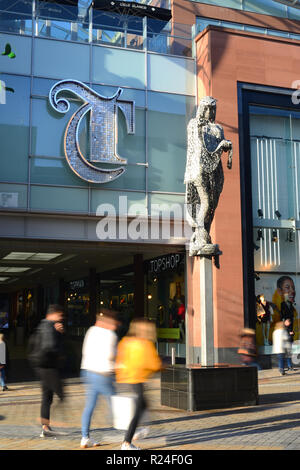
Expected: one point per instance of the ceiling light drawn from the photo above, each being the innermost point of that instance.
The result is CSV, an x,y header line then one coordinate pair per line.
x,y
12,269
20,255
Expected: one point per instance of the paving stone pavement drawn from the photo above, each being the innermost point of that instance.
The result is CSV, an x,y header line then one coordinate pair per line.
x,y
271,425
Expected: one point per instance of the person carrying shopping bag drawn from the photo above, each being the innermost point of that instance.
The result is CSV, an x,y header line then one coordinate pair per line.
x,y
136,361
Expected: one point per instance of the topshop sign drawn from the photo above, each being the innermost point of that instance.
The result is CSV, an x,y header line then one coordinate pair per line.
x,y
103,129
164,263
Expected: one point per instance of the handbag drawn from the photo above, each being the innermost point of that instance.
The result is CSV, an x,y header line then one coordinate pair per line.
x,y
123,409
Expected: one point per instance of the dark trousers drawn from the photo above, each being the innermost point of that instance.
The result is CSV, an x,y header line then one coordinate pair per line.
x,y
51,383
141,405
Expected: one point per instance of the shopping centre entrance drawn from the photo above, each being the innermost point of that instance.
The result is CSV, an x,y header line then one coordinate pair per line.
x,y
136,279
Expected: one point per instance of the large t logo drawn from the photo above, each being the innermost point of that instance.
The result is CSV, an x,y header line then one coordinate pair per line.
x,y
103,129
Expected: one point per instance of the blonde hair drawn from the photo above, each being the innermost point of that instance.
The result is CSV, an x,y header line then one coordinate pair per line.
x,y
279,325
142,328
1,336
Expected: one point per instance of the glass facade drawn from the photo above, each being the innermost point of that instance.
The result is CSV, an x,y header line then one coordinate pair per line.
x,y
88,25
32,132
275,160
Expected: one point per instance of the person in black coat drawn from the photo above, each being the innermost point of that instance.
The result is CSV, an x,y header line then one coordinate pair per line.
x,y
49,360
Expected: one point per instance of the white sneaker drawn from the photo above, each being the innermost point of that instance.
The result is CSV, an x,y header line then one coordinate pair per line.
x,y
87,442
127,446
141,433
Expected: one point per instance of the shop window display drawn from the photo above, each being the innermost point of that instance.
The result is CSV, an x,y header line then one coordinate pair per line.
x,y
165,303
275,158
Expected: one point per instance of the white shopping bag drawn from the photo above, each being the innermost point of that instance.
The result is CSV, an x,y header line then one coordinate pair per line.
x,y
123,409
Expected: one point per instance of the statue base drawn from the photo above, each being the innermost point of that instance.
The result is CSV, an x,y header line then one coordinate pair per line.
x,y
194,387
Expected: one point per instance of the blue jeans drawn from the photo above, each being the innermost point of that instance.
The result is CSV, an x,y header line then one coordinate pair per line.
x,y
2,377
281,360
95,384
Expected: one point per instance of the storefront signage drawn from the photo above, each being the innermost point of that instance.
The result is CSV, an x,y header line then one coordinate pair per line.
x,y
103,129
164,263
77,284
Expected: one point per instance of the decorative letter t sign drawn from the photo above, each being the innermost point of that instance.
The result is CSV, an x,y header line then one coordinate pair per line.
x,y
103,129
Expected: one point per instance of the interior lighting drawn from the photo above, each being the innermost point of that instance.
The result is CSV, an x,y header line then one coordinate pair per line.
x,y
12,269
274,236
3,279
21,256
149,296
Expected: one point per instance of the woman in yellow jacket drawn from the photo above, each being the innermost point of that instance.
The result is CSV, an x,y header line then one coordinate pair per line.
x,y
136,360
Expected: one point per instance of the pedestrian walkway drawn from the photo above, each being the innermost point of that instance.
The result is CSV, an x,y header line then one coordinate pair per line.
x,y
271,425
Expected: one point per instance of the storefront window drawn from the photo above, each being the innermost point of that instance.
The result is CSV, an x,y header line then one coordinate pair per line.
x,y
77,302
118,294
165,297
275,159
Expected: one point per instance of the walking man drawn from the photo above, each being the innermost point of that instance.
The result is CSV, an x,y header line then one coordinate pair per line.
x,y
47,359
98,365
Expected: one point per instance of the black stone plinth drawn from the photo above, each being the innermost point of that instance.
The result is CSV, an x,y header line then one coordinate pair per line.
x,y
193,387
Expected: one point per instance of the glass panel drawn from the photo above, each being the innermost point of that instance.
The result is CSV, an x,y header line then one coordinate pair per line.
x,y
42,86
53,171
14,128
21,48
134,178
63,30
19,6
267,7
48,128
168,117
118,67
137,96
120,202
117,30
132,147
15,23
166,201
16,16
13,196
59,59
295,124
294,13
272,166
171,74
59,199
